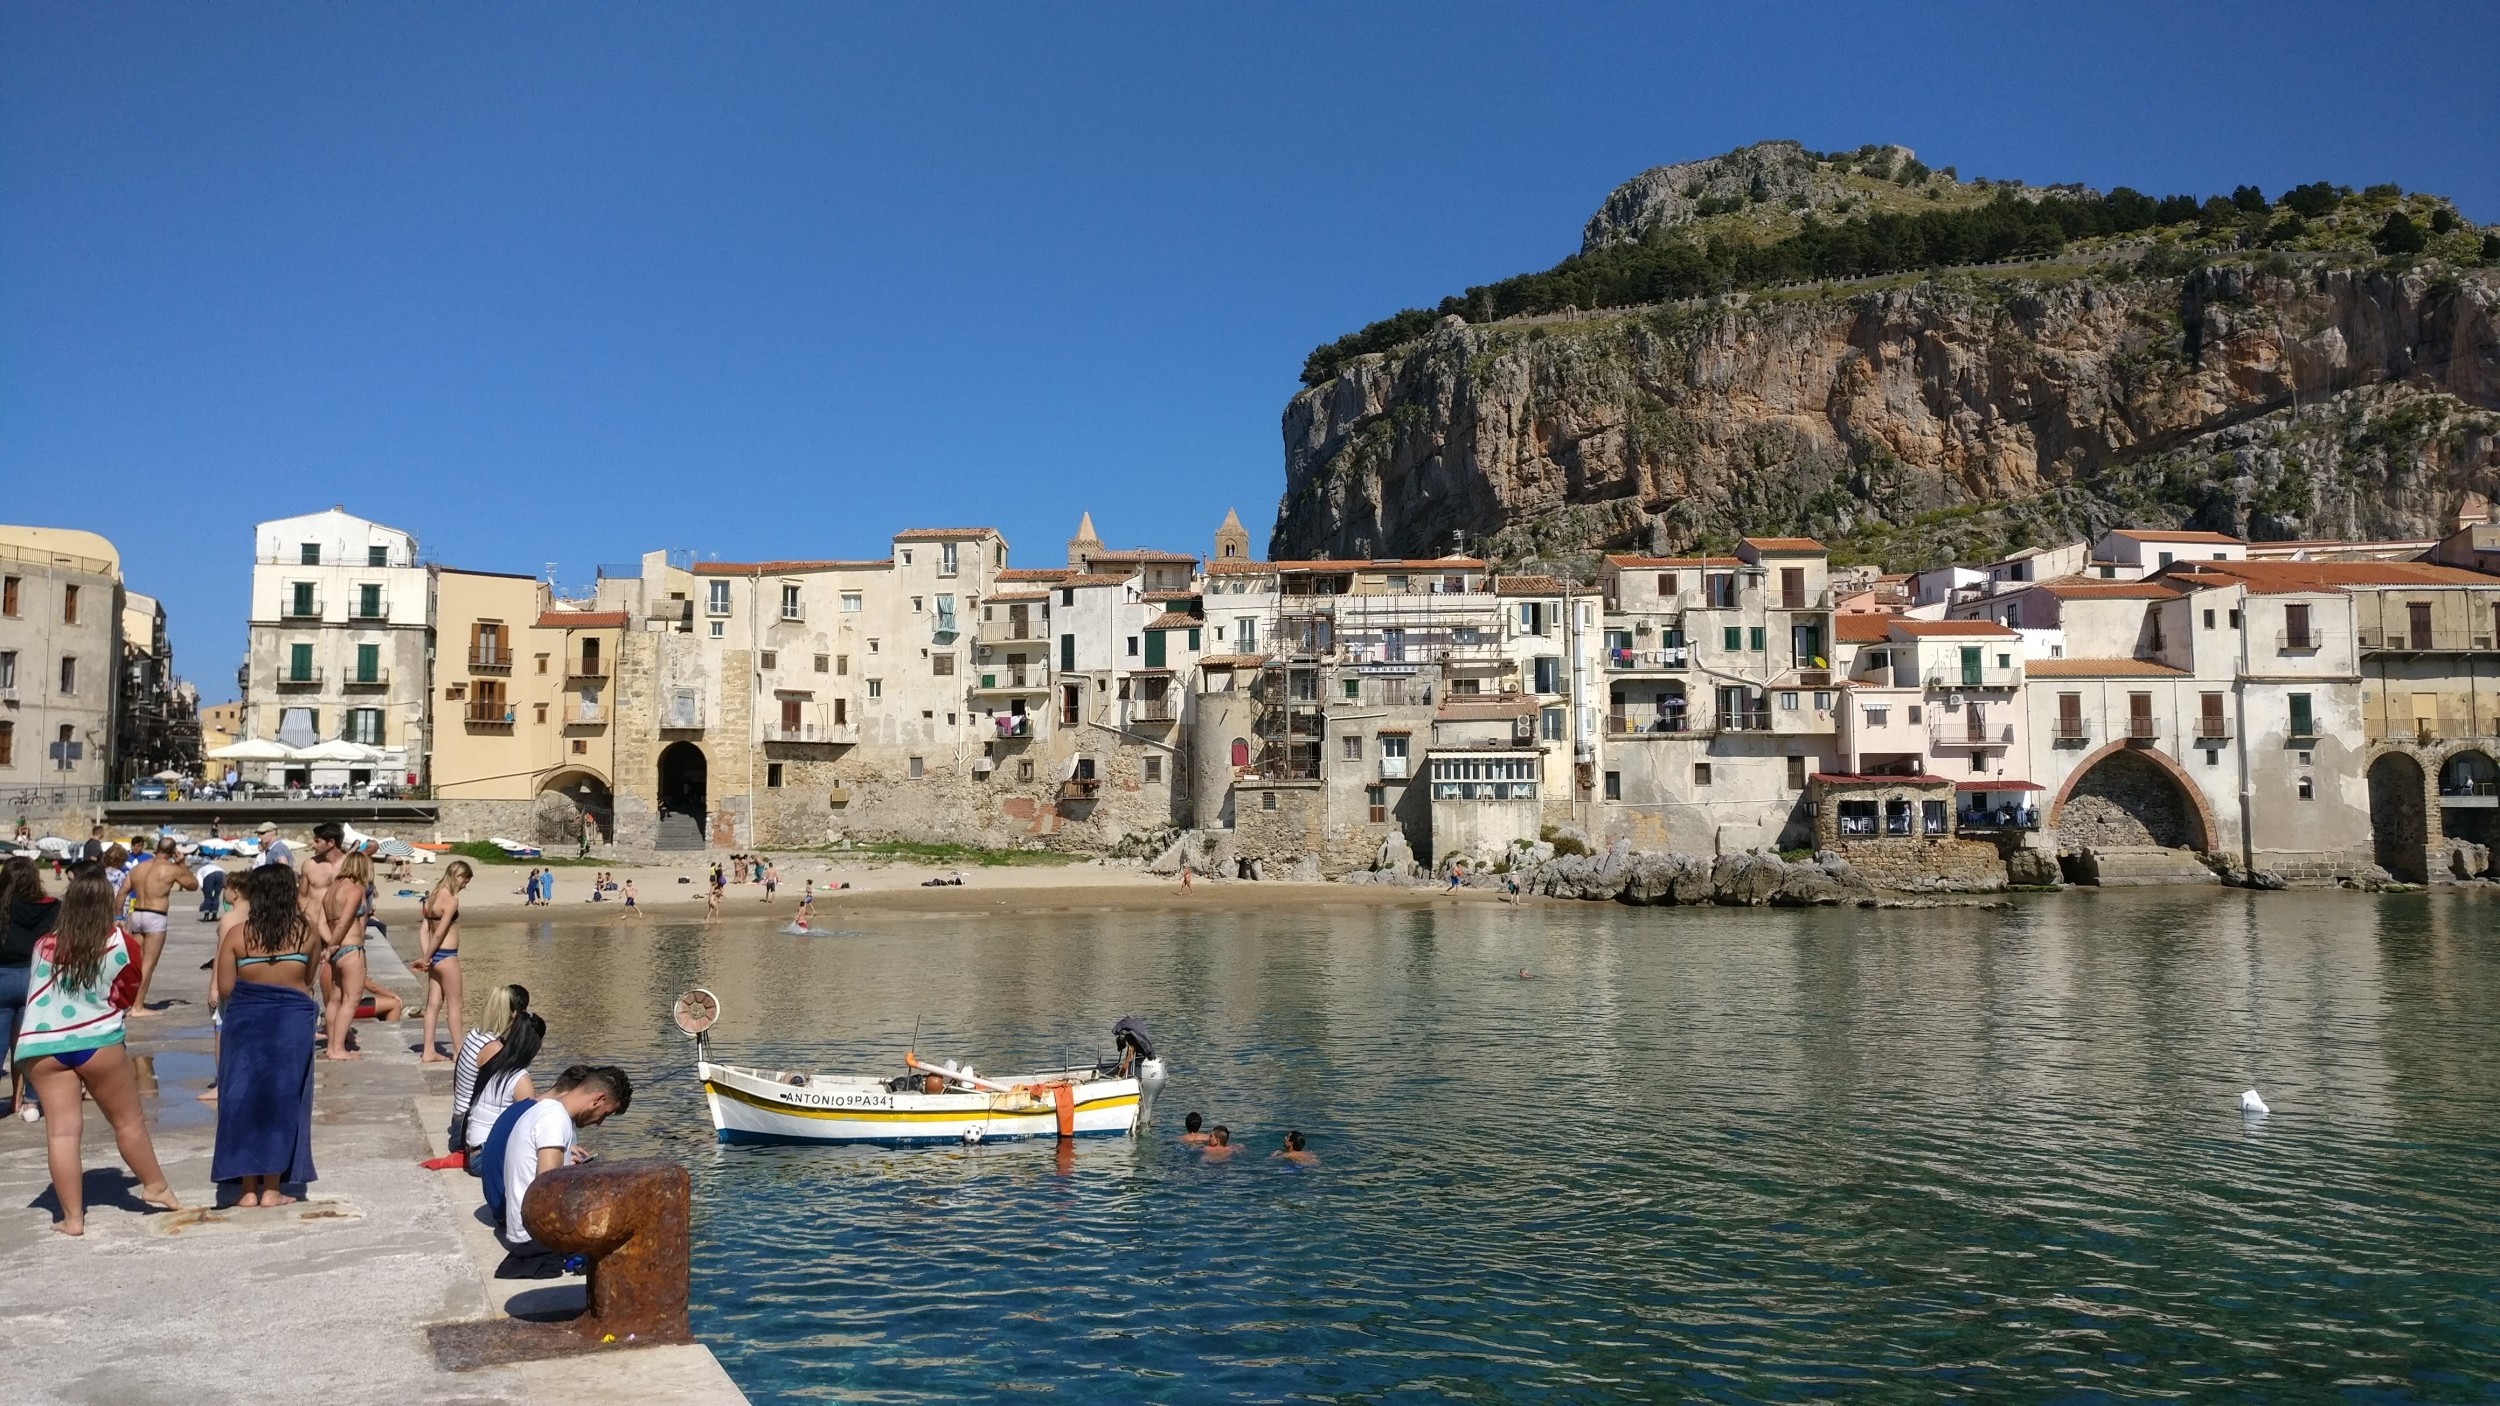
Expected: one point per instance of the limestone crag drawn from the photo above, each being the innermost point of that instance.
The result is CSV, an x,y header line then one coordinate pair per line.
x,y
2278,399
1669,197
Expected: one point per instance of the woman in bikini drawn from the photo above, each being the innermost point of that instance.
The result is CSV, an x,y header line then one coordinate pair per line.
x,y
80,982
438,934
266,949
349,899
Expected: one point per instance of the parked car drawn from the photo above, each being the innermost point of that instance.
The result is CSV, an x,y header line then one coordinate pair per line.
x,y
150,790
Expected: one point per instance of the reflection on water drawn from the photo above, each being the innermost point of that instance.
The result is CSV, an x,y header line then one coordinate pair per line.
x,y
1727,1154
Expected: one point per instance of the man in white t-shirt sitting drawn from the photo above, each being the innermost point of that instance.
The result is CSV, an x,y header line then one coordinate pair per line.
x,y
537,1137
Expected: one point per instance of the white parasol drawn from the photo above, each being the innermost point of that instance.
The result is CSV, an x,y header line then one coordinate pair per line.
x,y
255,750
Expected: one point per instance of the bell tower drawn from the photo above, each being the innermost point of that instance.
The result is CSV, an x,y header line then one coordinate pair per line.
x,y
1232,540
1084,545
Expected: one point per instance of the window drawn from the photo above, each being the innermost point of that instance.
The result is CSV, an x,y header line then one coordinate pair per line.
x,y
1915,711
1024,768
717,631
1353,748
2234,619
2296,627
1753,639
850,602
8,668
1067,595
2070,717
907,556
1701,773
941,664
1550,724
1933,817
1070,702
1978,763
1154,768
2005,661
2165,558
377,556
1548,673
1878,715
364,725
2209,619
1193,635
1796,773
1614,785
1788,700
69,675
1467,686
1376,802
841,665
768,659
1970,665
872,647
300,601
790,608
2308,792
1267,800
69,605
1822,702
309,554
368,663
2303,725
454,692
946,559
772,775
8,743
1245,633
916,768
8,595
717,602
1132,646
824,662
1353,689
369,601
876,688
1666,584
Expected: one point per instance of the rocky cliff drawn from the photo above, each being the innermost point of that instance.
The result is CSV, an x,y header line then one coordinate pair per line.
x,y
2300,392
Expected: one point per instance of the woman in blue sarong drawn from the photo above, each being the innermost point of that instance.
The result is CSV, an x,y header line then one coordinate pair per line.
x,y
266,949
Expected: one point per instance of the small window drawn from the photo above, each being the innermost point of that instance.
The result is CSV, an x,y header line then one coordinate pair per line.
x,y
716,598
1614,785
581,747
772,775
942,664
1915,713
1154,768
1267,800
915,605
1353,689
1132,646
768,659
916,768
1822,702
1024,768
1732,638
719,631
1376,799
2234,619
542,713
850,602
876,688
377,556
1353,748
1878,715
1788,700
542,663
790,608
1666,584
1753,639
1978,763
2005,661
1796,773
1701,773
841,665
872,646
2308,791
453,693
824,663
1067,595
310,554
2209,619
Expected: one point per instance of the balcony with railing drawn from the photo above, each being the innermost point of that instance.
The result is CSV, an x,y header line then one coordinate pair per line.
x,y
2212,727
300,606
364,608
490,661
487,715
1965,735
1394,768
2142,731
2070,732
1012,726
586,715
2000,820
585,668
1080,788
1745,720
1034,628
2298,641
1691,723
808,734
1639,660
1011,678
2468,792
366,678
1154,710
291,677
2427,641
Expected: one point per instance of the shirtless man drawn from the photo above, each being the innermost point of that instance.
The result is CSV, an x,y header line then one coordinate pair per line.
x,y
149,887
1190,1136
312,887
1219,1146
1295,1153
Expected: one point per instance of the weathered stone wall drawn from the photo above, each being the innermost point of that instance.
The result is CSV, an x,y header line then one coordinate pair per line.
x,y
1925,865
478,820
1301,824
2126,802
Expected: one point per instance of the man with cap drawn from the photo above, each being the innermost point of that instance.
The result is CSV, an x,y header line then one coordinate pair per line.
x,y
272,849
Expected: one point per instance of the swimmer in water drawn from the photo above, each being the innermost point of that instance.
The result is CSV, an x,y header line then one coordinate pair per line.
x,y
1295,1153
1190,1136
1219,1146
1526,975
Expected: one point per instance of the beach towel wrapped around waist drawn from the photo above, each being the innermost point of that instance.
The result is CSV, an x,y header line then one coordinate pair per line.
x,y
265,1084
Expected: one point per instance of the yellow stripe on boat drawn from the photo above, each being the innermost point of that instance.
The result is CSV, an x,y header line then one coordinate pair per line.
x,y
896,1115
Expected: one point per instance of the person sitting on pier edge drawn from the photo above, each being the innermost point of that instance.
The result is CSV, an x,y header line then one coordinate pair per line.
x,y
533,1137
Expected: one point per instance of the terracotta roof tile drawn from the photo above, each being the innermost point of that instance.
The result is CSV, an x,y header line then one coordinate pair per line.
x,y
2086,588
1784,544
583,620
1479,708
1235,566
1862,629
1010,596
1842,778
1233,661
1526,586
1403,563
1175,620
1141,555
1033,573
1099,578
1649,563
929,534
2100,669
1169,595
2283,578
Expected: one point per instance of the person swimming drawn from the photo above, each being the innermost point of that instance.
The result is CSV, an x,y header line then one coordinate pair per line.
x,y
1295,1152
1190,1135
1219,1146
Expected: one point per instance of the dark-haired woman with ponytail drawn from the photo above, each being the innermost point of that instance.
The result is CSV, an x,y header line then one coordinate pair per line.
x,y
266,949
81,982
26,914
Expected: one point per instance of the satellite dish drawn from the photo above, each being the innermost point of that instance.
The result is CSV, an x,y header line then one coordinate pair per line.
x,y
696,1010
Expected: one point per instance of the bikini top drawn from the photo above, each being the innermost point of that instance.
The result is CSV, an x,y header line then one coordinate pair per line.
x,y
304,957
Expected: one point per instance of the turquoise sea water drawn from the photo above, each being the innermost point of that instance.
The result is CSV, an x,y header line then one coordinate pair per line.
x,y
1705,1154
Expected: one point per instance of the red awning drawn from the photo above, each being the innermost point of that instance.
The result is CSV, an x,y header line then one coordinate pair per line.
x,y
1999,786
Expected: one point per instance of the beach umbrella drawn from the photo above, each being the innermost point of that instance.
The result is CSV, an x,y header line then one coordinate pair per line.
x,y
337,749
255,750
167,776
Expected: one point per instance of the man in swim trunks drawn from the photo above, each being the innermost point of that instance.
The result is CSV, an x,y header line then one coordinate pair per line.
x,y
149,887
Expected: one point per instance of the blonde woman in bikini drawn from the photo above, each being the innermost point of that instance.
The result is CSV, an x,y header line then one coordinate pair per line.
x,y
346,903
438,936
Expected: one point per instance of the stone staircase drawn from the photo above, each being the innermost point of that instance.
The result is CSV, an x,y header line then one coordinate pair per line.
x,y
679,834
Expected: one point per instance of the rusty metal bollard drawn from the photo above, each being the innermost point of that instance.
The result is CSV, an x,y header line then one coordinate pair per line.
x,y
630,1220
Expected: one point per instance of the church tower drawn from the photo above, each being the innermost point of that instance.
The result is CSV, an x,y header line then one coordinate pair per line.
x,y
1232,540
1083,547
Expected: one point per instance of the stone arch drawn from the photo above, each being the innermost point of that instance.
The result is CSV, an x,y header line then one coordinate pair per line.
x,y
571,799
2124,796
2399,818
2468,781
684,784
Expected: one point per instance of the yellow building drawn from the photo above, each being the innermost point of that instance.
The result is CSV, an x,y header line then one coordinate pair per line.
x,y
221,725
522,746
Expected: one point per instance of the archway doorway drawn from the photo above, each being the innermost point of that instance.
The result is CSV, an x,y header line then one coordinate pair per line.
x,y
683,783
2126,800
571,803
2469,798
2398,828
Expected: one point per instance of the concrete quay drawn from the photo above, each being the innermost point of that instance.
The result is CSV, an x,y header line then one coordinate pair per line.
x,y
325,1300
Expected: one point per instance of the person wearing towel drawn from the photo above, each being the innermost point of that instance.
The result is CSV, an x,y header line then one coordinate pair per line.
x,y
264,981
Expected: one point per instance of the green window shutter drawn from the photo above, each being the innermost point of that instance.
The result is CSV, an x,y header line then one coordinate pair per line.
x,y
371,601
303,598
1154,649
368,662
299,661
1753,639
2301,722
1733,637
1067,651
1970,664
1193,637
1353,688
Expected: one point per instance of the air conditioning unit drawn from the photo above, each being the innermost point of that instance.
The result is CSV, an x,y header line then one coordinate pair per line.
x,y
981,766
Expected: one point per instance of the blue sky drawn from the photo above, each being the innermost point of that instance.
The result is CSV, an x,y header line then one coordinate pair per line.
x,y
563,283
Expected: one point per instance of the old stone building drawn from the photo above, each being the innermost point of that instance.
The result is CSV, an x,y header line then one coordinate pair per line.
x,y
61,609
522,744
341,625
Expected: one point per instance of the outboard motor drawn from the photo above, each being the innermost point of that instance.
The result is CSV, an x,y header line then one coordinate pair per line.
x,y
1137,1051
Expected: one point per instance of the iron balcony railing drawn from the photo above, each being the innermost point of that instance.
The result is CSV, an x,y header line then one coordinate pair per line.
x,y
2433,641
2070,732
1393,768
586,669
1153,710
373,608
1663,657
2468,788
299,678
1964,735
297,607
2142,729
1011,678
1687,724
1987,820
2213,728
491,660
1080,788
491,715
2298,641
366,678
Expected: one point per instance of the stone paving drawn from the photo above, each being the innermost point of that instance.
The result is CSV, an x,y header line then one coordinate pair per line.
x,y
325,1300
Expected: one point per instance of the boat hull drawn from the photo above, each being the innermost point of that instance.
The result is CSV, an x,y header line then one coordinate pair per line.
x,y
755,1106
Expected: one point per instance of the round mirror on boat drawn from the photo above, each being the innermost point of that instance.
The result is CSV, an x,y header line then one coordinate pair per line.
x,y
696,1010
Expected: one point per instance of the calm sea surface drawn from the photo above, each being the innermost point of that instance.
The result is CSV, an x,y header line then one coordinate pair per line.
x,y
1709,1154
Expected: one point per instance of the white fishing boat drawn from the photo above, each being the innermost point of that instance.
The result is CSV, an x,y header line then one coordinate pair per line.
x,y
929,1101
